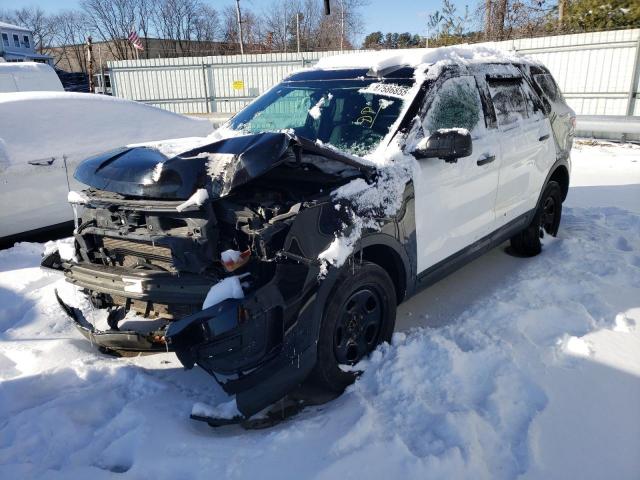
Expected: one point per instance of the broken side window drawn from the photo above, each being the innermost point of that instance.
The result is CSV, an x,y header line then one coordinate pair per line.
x,y
456,105
508,101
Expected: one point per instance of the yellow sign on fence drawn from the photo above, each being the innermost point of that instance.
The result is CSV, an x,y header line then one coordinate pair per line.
x,y
238,84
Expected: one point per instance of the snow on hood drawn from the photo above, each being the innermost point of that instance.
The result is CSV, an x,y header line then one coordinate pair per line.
x,y
218,166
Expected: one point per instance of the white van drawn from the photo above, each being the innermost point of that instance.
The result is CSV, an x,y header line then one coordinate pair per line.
x,y
28,77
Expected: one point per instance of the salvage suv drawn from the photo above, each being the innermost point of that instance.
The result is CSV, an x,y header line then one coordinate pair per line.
x,y
275,252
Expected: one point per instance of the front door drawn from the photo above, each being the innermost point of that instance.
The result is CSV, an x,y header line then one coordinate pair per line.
x,y
455,201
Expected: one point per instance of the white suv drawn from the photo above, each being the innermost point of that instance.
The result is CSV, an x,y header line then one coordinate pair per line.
x,y
276,252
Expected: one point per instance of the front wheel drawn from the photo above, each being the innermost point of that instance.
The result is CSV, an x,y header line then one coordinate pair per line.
x,y
546,220
359,315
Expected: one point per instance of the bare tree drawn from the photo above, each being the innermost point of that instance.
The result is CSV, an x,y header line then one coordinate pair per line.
x,y
505,19
36,20
252,28
112,21
207,30
276,22
144,11
72,27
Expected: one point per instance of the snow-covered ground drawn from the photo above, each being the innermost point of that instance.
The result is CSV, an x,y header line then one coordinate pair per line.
x,y
508,368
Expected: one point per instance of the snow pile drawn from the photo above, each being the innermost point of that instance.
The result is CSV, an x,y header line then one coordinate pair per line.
x,y
229,287
536,375
196,200
223,410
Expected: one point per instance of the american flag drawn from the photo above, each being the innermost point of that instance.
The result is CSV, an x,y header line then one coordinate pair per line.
x,y
135,40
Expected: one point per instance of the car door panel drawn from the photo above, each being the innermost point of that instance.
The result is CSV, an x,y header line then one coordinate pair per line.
x,y
525,142
33,194
455,201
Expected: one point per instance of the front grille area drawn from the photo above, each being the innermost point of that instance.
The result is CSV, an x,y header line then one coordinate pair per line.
x,y
133,254
155,310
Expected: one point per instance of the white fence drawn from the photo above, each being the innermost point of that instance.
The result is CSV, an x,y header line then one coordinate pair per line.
x,y
598,73
215,84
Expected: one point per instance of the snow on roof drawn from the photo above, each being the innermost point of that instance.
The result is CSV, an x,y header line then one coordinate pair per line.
x,y
9,26
26,67
379,60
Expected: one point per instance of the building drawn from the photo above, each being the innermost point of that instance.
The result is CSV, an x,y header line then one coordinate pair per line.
x,y
17,45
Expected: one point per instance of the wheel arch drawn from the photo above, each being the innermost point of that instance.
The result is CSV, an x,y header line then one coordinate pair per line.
x,y
561,175
386,252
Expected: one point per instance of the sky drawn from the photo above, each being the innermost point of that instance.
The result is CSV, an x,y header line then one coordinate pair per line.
x,y
403,16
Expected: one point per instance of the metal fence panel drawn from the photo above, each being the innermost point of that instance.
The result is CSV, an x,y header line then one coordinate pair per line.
x,y
598,73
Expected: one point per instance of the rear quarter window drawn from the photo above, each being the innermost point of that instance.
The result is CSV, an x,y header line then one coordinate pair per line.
x,y
551,93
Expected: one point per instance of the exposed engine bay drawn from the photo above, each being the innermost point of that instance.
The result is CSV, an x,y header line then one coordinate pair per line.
x,y
145,243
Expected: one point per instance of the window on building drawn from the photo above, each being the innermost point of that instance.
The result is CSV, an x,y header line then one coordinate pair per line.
x,y
16,41
25,40
5,39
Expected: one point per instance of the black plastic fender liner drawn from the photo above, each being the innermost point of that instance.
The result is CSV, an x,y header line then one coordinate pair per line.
x,y
295,361
125,340
52,261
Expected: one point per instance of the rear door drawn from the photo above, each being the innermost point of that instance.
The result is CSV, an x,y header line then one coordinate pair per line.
x,y
455,201
525,138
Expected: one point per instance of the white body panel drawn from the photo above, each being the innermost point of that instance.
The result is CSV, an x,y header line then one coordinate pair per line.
x,y
524,165
455,201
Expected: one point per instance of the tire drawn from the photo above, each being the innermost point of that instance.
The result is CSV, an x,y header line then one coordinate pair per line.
x,y
528,243
359,315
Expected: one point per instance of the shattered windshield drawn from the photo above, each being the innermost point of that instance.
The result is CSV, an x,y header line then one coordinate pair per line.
x,y
353,115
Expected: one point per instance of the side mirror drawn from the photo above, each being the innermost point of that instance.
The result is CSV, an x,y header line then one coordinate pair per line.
x,y
448,144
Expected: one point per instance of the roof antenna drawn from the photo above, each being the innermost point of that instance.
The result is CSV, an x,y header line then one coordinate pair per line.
x,y
327,7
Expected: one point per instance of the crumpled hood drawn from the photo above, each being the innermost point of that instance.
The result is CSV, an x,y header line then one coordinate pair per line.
x,y
219,167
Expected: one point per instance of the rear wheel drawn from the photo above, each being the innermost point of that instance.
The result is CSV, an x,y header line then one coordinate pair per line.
x,y
359,316
545,221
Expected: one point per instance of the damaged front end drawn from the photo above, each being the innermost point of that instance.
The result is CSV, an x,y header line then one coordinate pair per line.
x,y
165,237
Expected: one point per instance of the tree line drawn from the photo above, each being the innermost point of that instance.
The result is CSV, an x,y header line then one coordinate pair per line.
x,y
195,27
492,20
192,27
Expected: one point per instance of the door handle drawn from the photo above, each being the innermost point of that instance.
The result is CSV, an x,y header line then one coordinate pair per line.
x,y
486,159
42,163
543,138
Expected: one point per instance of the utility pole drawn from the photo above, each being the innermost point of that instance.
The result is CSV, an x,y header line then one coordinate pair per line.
x,y
90,62
298,29
284,28
239,27
561,11
341,25
102,82
488,7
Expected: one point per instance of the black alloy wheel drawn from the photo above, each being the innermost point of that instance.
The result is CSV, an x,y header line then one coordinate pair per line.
x,y
546,220
358,327
359,315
